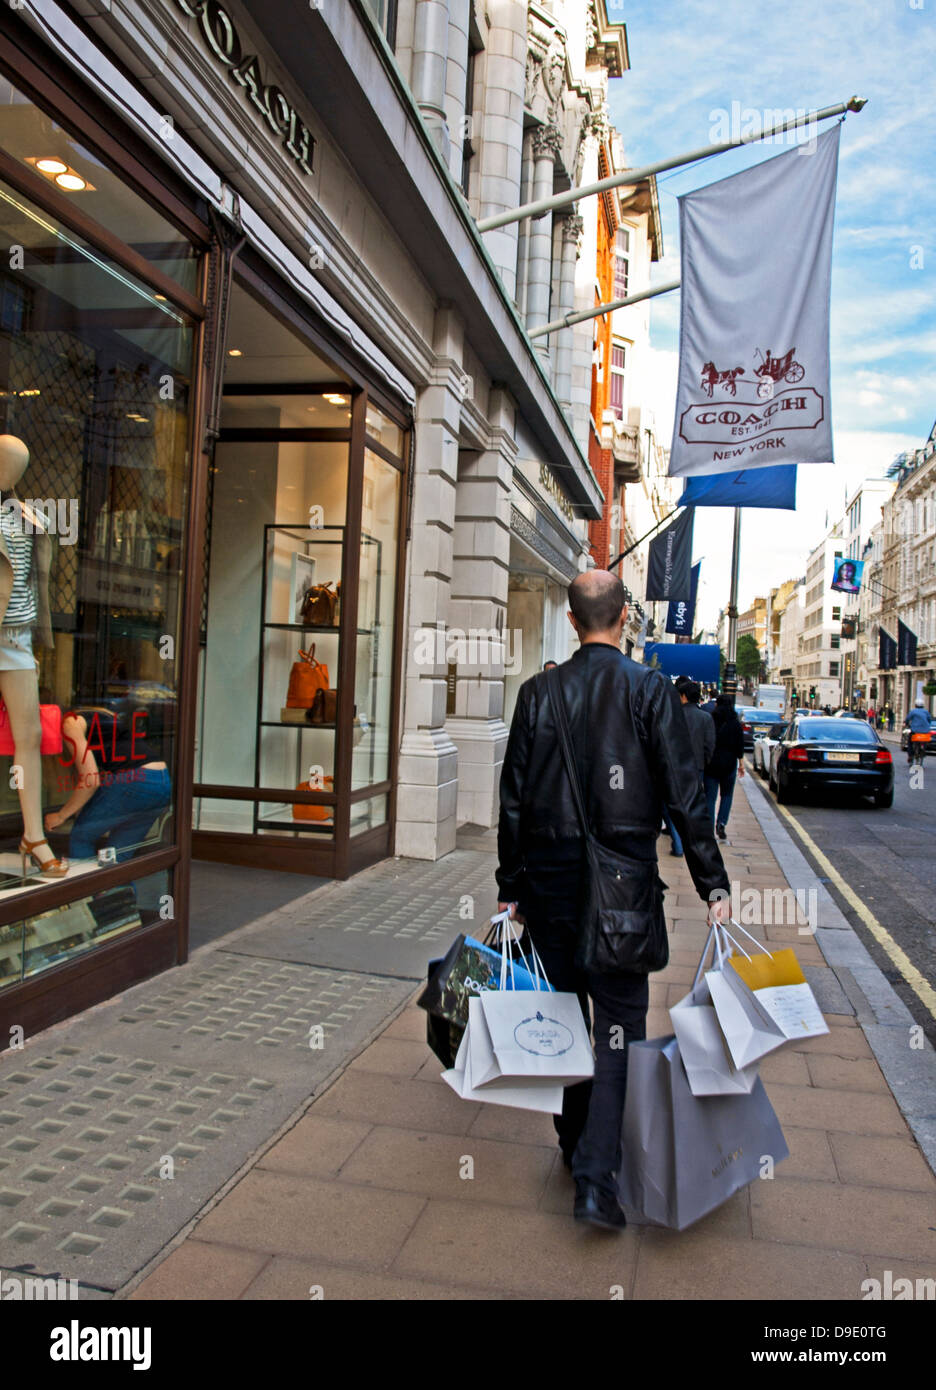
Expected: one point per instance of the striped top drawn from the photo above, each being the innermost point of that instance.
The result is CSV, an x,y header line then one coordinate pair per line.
x,y
21,610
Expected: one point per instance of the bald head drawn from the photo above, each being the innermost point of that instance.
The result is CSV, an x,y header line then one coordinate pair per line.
x,y
596,599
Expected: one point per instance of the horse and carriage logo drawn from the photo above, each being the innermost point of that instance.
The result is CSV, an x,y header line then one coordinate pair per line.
x,y
768,373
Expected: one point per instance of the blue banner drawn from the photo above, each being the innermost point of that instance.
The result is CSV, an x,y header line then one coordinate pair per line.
x,y
698,661
680,614
752,487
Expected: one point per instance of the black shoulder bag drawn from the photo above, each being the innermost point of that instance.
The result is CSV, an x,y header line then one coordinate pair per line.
x,y
622,930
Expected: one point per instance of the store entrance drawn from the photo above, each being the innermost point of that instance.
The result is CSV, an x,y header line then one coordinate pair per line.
x,y
297,688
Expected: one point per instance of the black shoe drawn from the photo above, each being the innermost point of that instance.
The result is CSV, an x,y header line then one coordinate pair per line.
x,y
720,832
597,1207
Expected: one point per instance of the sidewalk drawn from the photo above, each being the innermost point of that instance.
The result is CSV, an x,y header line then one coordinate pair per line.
x,y
365,1196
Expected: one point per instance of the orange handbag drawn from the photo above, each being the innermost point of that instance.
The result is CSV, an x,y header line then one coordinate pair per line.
x,y
306,677
305,811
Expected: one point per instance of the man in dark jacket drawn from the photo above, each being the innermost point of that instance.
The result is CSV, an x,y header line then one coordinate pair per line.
x,y
634,753
702,737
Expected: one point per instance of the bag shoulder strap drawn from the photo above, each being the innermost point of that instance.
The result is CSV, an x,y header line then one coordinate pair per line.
x,y
557,700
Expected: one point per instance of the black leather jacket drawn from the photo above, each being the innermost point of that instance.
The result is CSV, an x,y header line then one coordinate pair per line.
x,y
633,751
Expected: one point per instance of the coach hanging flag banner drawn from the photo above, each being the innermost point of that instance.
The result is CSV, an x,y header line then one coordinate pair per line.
x,y
669,561
681,612
754,323
887,652
906,645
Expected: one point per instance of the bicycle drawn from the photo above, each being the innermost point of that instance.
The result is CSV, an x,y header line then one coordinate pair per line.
x,y
918,744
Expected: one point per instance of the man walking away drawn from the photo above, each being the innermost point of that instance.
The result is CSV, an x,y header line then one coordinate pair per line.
x,y
725,764
632,748
702,737
890,719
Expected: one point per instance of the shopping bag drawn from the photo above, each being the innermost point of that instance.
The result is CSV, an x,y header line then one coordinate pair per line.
x,y
702,1045
779,986
533,1033
682,1155
520,1095
468,967
749,1030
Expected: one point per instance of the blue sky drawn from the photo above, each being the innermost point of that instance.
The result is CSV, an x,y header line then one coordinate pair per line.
x,y
690,61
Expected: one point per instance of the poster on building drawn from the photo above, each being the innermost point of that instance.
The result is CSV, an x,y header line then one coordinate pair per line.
x,y
756,256
846,576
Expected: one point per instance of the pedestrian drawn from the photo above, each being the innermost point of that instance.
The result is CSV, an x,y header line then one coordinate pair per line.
x,y
870,714
891,719
881,719
827,709
632,744
918,722
702,737
548,665
725,764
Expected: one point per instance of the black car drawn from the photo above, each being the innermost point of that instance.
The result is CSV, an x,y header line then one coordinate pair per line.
x,y
822,752
757,722
927,747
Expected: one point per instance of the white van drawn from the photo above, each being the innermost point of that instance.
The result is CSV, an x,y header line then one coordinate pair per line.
x,y
770,697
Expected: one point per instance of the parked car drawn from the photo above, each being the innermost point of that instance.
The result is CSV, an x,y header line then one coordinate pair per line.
x,y
755,723
847,714
763,747
927,747
826,752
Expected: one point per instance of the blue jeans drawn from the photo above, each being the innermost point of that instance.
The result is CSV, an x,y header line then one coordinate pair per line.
x,y
674,833
121,810
724,783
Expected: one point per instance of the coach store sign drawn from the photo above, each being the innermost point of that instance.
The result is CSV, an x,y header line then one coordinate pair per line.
x,y
220,34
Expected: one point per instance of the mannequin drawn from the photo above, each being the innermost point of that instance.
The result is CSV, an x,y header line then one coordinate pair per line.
x,y
25,555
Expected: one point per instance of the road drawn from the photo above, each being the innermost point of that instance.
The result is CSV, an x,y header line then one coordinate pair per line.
x,y
888,858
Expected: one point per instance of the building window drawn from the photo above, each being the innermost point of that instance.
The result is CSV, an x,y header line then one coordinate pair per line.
x,y
836,614
385,13
833,668
618,365
621,263
468,147
835,641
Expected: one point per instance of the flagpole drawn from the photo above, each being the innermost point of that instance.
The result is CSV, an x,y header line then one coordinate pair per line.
x,y
731,683
635,176
624,553
582,314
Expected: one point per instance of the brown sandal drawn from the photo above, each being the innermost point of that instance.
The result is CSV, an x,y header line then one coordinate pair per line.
x,y
52,868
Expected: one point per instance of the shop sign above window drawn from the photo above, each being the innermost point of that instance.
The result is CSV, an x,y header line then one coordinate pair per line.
x,y
221,36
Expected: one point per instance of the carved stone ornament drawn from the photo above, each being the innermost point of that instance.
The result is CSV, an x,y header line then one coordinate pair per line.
x,y
572,227
547,140
591,27
554,69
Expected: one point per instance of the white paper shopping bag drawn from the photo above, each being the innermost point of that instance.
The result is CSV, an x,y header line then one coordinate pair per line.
x,y
536,1035
749,1031
777,982
702,1046
518,1095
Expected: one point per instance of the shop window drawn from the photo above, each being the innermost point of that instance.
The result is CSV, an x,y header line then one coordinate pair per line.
x,y
95,378
51,938
28,134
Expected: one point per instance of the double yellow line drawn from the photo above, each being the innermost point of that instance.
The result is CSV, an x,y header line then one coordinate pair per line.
x,y
917,982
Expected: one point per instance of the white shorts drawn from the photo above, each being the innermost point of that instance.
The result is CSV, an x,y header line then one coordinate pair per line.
x,y
16,653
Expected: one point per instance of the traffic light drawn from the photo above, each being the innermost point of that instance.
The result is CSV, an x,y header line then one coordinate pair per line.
x,y
812,692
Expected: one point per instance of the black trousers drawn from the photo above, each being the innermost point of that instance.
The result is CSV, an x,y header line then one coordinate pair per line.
x,y
589,1127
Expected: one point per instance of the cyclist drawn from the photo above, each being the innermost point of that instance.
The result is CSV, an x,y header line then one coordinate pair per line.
x,y
918,724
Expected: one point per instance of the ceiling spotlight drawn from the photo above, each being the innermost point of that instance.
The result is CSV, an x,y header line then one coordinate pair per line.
x,y
235,352
335,399
72,183
52,166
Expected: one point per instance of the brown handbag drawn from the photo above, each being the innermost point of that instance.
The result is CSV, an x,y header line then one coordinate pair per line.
x,y
306,679
324,707
320,605
305,811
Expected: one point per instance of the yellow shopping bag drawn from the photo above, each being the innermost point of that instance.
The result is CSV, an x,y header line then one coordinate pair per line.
x,y
778,984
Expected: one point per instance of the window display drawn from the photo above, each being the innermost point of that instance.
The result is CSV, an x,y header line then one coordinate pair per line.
x,y
95,382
